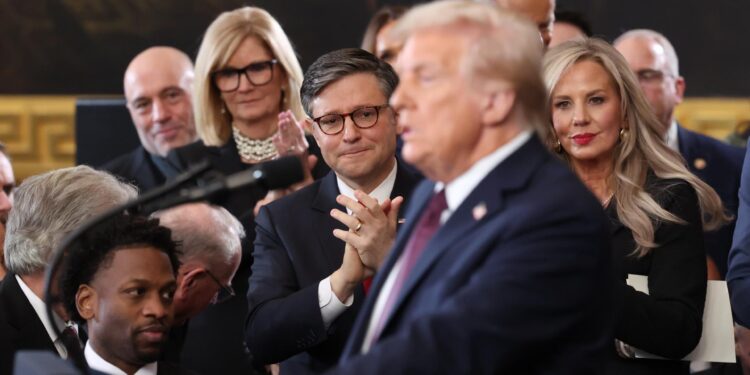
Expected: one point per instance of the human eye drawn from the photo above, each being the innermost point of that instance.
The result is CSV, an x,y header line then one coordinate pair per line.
x,y
366,112
258,67
561,104
141,105
168,294
226,73
596,100
329,120
135,292
173,94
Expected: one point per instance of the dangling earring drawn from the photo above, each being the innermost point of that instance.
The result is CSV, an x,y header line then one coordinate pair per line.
x,y
558,146
223,108
623,134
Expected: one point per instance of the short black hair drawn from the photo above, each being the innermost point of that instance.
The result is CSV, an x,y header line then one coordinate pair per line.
x,y
338,64
97,246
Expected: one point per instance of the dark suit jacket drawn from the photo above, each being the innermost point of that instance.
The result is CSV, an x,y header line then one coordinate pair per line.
x,y
738,275
20,327
137,168
215,341
668,321
294,250
722,166
523,289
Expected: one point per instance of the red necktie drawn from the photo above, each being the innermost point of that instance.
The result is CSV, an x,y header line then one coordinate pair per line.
x,y
428,224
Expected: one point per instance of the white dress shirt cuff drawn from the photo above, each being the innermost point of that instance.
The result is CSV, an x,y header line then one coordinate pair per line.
x,y
330,306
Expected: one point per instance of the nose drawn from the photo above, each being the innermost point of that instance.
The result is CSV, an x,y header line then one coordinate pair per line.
x,y
397,98
155,306
351,131
245,83
160,111
580,115
6,202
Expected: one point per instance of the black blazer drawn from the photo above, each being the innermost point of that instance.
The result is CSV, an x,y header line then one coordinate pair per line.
x,y
20,327
294,250
667,322
136,167
517,281
720,166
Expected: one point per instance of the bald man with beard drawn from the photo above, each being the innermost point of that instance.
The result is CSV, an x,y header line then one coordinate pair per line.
x,y
158,92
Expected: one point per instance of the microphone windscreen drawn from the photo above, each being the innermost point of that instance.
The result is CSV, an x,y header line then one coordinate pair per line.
x,y
282,172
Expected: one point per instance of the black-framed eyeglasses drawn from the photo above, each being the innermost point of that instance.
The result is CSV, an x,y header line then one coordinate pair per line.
x,y
363,118
258,73
224,293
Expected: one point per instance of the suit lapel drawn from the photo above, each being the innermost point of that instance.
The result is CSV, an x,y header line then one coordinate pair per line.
x,y
21,317
331,247
511,174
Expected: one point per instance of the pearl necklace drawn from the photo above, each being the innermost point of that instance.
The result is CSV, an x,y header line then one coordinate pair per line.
x,y
254,150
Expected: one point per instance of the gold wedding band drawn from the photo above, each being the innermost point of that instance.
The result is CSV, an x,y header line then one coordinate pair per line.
x,y
359,226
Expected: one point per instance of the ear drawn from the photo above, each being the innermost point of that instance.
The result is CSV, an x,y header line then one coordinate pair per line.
x,y
190,278
679,88
86,302
497,106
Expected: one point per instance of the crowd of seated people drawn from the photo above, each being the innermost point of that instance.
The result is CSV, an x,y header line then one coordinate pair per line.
x,y
477,191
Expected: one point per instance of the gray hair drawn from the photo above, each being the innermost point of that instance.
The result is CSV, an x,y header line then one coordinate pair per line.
x,y
672,62
338,64
207,233
49,206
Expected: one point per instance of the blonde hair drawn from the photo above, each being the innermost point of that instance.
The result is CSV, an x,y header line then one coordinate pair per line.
x,y
220,42
491,59
641,150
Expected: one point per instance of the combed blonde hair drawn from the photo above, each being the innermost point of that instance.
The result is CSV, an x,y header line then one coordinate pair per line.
x,y
220,42
491,59
643,149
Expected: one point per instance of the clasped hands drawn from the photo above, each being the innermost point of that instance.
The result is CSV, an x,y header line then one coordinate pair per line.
x,y
371,233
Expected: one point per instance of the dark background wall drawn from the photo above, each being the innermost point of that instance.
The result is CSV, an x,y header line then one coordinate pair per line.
x,y
83,46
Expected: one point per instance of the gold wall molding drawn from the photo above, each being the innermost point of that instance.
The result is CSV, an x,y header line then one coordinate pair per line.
x,y
39,131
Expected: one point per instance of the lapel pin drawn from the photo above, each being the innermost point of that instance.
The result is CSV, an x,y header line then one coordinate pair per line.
x,y
479,211
699,163
401,221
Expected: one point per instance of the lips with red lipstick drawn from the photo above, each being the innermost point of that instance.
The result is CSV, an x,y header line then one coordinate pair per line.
x,y
583,139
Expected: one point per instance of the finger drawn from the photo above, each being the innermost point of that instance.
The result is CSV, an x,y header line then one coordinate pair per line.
x,y
350,238
355,207
395,208
312,160
348,220
366,200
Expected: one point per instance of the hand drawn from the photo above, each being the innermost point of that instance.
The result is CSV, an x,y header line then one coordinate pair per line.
x,y
290,139
351,273
742,346
372,226
280,193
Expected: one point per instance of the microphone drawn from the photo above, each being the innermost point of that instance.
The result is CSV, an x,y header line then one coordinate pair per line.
x,y
274,174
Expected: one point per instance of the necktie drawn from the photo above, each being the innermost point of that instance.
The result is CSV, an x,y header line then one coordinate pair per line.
x,y
428,224
69,338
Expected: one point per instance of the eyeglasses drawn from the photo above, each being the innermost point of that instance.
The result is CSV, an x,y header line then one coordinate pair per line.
x,y
363,118
258,73
650,75
224,293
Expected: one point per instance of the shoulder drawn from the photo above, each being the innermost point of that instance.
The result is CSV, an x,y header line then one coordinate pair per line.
x,y
168,368
725,153
191,153
294,201
124,161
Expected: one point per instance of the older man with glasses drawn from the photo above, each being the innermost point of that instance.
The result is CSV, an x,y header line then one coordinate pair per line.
x,y
315,249
209,254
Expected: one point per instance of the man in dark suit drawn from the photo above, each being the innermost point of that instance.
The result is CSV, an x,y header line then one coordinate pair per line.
x,y
119,279
307,281
158,94
654,61
503,265
47,208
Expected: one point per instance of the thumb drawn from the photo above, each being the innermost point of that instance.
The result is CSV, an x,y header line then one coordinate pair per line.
x,y
395,208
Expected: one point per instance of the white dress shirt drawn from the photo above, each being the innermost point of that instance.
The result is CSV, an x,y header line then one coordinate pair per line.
x,y
330,305
671,137
40,308
455,193
98,363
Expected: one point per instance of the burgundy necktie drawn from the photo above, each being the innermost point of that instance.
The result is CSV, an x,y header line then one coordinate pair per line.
x,y
69,338
428,224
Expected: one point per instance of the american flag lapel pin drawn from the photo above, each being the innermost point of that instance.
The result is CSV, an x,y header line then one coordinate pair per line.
x,y
479,211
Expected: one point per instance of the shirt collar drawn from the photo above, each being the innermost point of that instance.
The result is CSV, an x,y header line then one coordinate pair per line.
x,y
40,308
381,192
98,363
457,190
671,137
